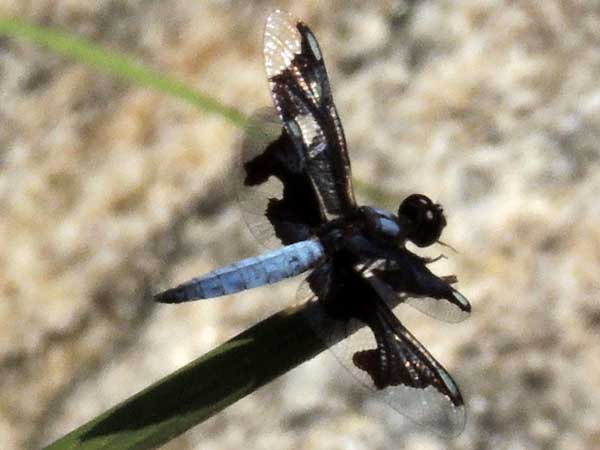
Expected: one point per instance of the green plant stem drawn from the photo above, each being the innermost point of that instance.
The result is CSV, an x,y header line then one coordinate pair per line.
x,y
206,386
117,65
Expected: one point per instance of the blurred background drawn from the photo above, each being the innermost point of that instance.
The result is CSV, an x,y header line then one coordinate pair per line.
x,y
110,191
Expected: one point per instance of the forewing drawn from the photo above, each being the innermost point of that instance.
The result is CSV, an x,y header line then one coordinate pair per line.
x,y
383,355
406,375
405,278
275,195
302,97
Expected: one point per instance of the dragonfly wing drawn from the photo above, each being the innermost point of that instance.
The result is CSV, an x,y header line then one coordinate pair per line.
x,y
302,97
372,344
404,277
274,193
406,375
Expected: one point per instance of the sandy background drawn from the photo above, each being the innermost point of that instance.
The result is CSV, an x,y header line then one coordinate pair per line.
x,y
109,191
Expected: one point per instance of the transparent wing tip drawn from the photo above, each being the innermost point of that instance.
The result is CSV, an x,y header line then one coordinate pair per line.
x,y
449,425
429,409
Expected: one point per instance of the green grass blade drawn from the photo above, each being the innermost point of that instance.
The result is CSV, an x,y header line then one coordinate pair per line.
x,y
117,65
204,387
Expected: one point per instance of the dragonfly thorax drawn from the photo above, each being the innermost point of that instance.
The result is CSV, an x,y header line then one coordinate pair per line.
x,y
382,225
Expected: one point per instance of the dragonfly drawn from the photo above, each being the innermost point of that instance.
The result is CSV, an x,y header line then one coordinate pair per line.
x,y
357,257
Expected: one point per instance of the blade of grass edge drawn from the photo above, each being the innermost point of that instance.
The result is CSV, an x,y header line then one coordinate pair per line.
x,y
117,65
204,387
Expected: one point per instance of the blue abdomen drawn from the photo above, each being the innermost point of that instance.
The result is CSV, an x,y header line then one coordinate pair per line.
x,y
249,273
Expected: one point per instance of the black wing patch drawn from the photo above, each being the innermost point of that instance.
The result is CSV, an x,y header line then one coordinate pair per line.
x,y
302,96
296,214
399,358
290,211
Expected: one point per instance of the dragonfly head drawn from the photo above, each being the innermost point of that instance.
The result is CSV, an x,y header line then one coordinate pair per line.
x,y
426,219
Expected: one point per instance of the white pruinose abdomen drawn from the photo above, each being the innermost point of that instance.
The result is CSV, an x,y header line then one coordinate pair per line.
x,y
268,268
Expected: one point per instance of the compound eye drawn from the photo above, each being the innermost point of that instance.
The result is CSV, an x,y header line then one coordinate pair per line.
x,y
426,219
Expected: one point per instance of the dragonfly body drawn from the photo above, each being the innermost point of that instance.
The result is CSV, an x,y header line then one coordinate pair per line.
x,y
363,235
357,256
